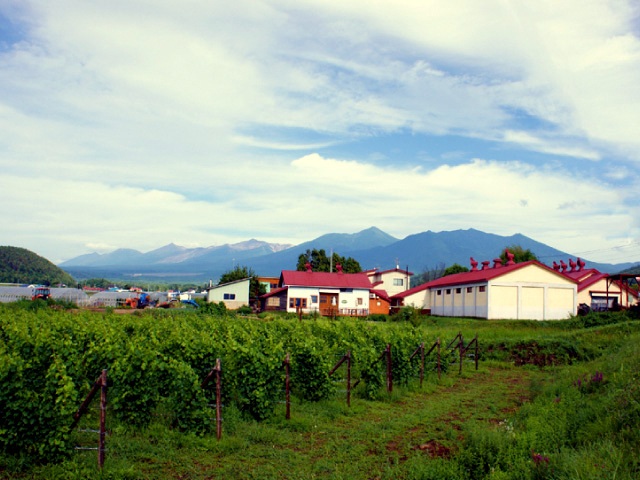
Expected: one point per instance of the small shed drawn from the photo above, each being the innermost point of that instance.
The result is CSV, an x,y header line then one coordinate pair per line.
x,y
233,294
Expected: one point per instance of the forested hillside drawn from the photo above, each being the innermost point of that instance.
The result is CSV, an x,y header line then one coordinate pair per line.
x,y
19,265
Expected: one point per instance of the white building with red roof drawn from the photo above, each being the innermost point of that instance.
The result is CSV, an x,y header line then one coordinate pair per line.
x,y
395,280
600,291
524,291
329,294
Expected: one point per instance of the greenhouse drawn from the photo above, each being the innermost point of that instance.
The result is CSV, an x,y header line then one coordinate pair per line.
x,y
13,294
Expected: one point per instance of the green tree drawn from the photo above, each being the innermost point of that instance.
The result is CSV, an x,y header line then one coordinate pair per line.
x,y
19,265
240,273
519,254
428,274
321,263
455,268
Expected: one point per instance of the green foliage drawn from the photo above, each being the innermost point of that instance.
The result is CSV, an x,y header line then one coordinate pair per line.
x,y
321,263
157,361
217,309
428,275
453,269
310,367
408,314
240,273
19,265
244,310
519,254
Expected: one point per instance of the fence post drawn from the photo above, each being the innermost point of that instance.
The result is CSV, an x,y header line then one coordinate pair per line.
x,y
476,353
389,370
461,352
439,368
218,399
286,388
421,363
100,384
349,378
346,357
103,417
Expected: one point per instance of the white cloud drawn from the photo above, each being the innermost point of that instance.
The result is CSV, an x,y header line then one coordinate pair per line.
x,y
556,147
123,111
560,209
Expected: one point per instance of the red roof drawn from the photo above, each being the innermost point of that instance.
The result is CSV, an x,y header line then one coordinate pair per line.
x,y
382,294
604,276
324,279
477,276
274,291
595,278
581,275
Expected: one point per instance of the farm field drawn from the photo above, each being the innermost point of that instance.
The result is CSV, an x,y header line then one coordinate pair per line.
x,y
549,399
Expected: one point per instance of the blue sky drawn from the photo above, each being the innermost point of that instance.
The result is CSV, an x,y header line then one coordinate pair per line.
x,y
138,123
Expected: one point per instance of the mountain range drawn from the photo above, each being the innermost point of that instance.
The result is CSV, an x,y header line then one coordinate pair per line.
x,y
372,248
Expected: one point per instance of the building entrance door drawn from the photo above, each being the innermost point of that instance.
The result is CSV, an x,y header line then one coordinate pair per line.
x,y
329,304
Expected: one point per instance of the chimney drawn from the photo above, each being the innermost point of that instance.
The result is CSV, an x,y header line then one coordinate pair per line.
x,y
563,266
581,264
497,262
339,267
556,267
485,265
573,265
308,267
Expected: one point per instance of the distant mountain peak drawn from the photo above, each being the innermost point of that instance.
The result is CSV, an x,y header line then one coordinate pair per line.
x,y
371,247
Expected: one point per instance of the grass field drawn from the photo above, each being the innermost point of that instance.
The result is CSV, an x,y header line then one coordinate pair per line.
x,y
549,400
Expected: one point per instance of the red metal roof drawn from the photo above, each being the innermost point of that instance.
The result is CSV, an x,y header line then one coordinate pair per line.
x,y
477,276
274,291
324,279
382,294
595,278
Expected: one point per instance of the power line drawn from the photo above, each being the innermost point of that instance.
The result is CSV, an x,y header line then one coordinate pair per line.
x,y
609,249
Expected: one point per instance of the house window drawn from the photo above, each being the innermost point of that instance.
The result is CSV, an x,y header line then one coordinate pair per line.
x,y
398,282
229,296
458,290
314,298
448,291
359,301
297,302
482,288
439,292
469,289
273,301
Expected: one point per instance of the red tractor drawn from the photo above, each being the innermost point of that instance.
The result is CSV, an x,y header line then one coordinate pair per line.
x,y
41,293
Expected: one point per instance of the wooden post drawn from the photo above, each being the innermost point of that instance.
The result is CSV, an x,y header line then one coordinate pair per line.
x,y
461,351
389,370
349,378
85,404
477,349
421,363
218,399
345,358
420,350
103,417
286,388
439,369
